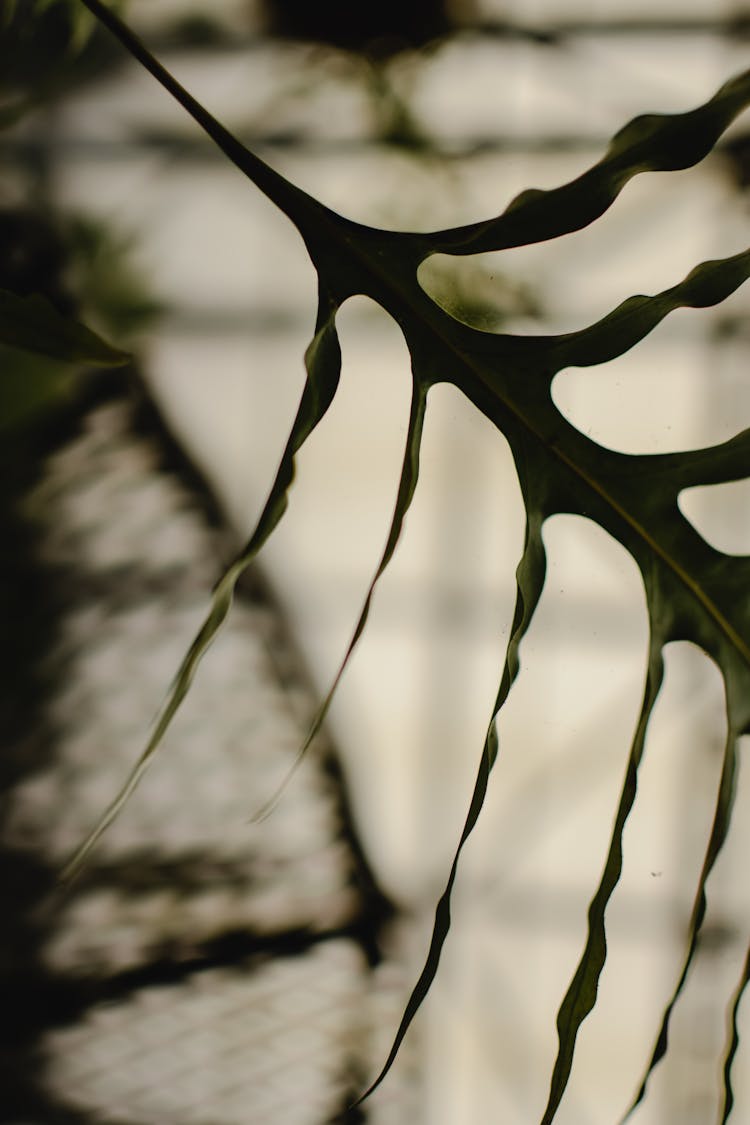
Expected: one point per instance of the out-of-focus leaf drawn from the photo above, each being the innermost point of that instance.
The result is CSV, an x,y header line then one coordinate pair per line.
x,y
106,279
380,29
33,325
29,386
7,12
46,47
81,22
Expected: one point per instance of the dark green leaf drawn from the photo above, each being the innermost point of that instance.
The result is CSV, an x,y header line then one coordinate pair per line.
x,y
32,324
30,385
654,142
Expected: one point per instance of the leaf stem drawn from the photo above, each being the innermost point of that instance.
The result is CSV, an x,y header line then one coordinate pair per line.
x,y
296,204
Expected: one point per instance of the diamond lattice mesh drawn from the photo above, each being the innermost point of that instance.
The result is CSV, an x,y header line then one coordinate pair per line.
x,y
204,968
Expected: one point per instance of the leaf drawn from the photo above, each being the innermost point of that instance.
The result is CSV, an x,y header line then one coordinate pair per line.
x,y
42,355
82,24
693,592
32,324
653,142
29,386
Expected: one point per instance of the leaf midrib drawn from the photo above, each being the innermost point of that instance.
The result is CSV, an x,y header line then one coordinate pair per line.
x,y
404,296
308,214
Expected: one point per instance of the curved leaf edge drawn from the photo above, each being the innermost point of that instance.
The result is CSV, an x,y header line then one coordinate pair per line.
x,y
32,324
733,1042
650,142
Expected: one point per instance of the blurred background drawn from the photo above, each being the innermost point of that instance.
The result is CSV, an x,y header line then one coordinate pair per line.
x,y
211,970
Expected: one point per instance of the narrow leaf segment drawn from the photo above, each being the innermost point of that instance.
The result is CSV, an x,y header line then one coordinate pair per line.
x,y
323,361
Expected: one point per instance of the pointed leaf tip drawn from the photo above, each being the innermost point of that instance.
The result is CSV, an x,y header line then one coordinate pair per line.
x,y
33,324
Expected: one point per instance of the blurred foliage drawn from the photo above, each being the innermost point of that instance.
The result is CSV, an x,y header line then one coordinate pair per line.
x,y
55,268
377,29
44,350
103,274
47,47
475,295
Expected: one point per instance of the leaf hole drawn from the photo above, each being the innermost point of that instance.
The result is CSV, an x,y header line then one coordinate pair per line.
x,y
424,679
570,714
663,846
476,292
656,398
721,514
669,825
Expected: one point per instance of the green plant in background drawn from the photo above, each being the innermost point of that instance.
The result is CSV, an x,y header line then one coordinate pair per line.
x,y
51,264
45,47
43,350
693,592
